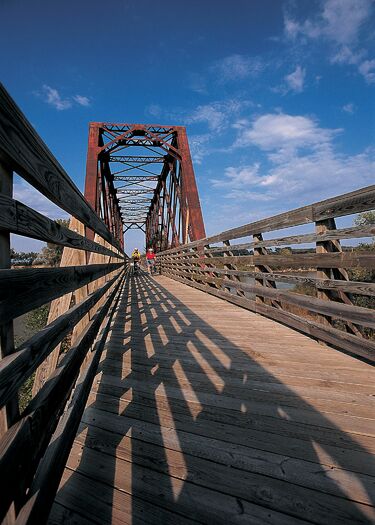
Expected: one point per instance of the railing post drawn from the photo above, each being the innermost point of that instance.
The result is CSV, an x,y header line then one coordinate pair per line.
x,y
257,238
329,246
70,257
10,412
230,266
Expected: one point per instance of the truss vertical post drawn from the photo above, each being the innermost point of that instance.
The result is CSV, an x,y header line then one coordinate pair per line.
x,y
192,219
92,173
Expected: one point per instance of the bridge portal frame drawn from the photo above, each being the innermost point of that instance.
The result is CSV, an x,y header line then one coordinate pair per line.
x,y
174,214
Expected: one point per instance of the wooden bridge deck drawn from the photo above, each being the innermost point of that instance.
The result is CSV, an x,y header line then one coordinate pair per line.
x,y
203,412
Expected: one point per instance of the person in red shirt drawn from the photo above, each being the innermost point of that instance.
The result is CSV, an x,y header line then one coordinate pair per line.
x,y
151,259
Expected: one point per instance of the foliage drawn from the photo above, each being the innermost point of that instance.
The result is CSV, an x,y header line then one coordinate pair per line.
x,y
22,258
35,321
366,218
305,289
52,253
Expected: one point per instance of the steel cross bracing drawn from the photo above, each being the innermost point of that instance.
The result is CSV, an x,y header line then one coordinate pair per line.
x,y
141,176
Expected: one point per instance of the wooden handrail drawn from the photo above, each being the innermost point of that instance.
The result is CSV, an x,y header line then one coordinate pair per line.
x,y
346,204
333,315
18,218
24,151
22,290
83,291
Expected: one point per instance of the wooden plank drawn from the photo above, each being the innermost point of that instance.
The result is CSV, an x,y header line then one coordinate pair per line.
x,y
16,368
22,220
23,290
338,338
293,371
110,434
216,505
350,396
234,428
70,257
335,309
29,156
9,413
305,260
347,204
355,232
105,505
322,414
354,287
194,502
186,408
45,410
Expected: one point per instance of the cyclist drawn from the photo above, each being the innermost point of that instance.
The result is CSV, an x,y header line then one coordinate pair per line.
x,y
136,256
151,259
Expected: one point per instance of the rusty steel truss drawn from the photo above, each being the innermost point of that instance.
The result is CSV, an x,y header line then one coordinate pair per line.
x,y
141,176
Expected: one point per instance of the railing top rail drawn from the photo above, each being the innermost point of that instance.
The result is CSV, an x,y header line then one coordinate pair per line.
x,y
341,205
25,152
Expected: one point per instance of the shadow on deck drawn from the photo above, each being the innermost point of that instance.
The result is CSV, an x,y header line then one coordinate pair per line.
x,y
203,412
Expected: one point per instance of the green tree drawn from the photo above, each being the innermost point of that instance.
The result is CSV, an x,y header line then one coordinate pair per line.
x,y
367,218
52,253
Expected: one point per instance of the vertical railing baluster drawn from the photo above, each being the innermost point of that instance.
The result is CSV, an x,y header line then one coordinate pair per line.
x,y
230,266
10,412
332,246
261,281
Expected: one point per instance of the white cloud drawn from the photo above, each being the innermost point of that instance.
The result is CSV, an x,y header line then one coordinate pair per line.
x,y
154,110
53,98
298,179
343,19
281,131
349,108
320,174
28,195
339,22
295,81
345,55
301,164
199,147
367,70
82,101
237,177
216,114
241,181
238,67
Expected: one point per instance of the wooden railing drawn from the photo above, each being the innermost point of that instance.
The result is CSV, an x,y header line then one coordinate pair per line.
x,y
324,297
82,293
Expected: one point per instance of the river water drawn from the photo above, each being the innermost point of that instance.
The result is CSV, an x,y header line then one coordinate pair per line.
x,y
280,284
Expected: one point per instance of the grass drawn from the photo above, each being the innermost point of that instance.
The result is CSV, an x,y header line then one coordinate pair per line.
x,y
34,321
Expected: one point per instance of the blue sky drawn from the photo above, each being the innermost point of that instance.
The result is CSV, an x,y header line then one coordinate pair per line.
x,y
277,97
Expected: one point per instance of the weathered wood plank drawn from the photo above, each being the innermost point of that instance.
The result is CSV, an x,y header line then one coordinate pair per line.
x,y
355,232
70,257
22,220
25,151
224,485
52,395
338,338
25,289
347,204
193,404
300,260
17,367
95,433
354,287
